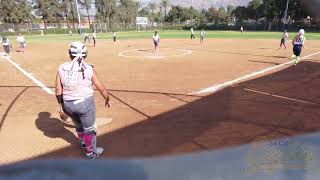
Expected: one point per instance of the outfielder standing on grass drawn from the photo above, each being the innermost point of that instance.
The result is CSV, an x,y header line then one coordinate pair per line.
x,y
156,40
74,94
94,38
114,37
284,38
298,44
202,35
192,34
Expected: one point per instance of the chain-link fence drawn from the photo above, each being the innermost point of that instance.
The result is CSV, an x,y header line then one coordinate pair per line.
x,y
64,28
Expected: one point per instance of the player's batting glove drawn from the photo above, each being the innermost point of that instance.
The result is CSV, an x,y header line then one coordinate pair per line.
x,y
106,104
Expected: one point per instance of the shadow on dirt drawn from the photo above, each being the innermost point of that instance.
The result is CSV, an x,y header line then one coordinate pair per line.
x,y
283,104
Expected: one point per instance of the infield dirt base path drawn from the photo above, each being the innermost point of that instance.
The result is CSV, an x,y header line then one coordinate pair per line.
x,y
153,112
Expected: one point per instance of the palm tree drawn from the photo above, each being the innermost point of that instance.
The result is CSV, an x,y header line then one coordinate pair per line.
x,y
72,5
87,5
65,8
152,7
165,5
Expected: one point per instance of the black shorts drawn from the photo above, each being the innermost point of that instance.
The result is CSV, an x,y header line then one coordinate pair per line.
x,y
283,40
155,43
297,49
114,39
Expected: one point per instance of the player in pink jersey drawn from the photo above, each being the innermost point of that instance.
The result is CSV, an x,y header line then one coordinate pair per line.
x,y
74,94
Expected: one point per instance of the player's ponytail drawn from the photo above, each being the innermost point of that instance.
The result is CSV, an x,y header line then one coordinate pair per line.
x,y
80,62
78,52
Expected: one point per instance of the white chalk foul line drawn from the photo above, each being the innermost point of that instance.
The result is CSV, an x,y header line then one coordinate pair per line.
x,y
36,81
215,88
279,96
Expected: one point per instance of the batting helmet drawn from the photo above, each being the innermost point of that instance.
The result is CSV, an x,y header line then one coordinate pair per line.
x,y
78,49
301,32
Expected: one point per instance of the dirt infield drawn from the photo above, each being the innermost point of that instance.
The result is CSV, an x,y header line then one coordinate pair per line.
x,y
154,109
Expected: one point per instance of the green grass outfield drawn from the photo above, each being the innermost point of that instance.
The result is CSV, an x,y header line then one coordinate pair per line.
x,y
170,34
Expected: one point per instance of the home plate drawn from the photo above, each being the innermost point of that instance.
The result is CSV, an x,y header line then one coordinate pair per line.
x,y
103,121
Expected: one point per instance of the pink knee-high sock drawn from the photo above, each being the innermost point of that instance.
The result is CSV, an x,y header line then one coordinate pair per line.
x,y
90,142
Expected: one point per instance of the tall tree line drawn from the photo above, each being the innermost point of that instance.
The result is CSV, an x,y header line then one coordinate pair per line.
x,y
125,11
15,11
272,10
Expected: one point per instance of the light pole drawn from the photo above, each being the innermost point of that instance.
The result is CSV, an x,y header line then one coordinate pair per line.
x,y
79,21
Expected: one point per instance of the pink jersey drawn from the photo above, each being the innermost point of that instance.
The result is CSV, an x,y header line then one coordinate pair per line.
x,y
76,87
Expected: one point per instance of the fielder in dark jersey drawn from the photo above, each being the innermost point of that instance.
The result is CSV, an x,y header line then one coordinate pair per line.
x,y
284,38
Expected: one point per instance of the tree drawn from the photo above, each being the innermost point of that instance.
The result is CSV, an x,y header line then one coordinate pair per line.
x,y
192,13
127,10
241,13
144,11
49,10
177,14
65,6
17,11
24,9
87,5
255,9
165,5
217,16
272,10
72,10
223,15
298,10
152,8
106,10
203,17
230,8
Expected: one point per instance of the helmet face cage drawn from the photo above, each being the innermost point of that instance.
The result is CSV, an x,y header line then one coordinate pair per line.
x,y
78,49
